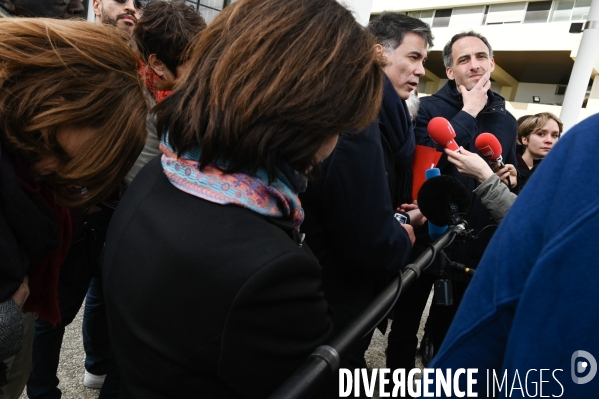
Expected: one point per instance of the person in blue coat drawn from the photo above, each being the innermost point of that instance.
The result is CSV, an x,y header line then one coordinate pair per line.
x,y
531,304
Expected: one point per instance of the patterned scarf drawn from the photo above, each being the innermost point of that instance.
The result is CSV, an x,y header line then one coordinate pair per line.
x,y
277,199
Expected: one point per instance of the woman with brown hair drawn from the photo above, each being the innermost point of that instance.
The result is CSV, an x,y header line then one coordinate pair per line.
x,y
210,290
72,121
537,134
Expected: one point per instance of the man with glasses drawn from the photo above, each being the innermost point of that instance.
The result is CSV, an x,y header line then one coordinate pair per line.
x,y
120,13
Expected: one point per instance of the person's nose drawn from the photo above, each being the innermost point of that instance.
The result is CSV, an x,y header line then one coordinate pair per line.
x,y
8,5
475,64
419,71
76,7
130,8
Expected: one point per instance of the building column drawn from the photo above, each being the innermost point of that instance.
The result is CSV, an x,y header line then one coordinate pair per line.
x,y
586,58
593,102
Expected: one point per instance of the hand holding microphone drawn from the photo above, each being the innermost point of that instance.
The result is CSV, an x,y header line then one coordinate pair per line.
x,y
470,164
508,175
491,150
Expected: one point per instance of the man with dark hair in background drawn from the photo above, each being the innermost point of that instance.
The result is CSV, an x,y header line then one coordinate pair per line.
x,y
472,108
162,36
123,14
351,222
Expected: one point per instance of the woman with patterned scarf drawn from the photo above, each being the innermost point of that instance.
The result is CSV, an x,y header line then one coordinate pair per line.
x,y
210,290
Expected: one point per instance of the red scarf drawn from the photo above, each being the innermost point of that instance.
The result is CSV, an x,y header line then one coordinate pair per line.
x,y
43,277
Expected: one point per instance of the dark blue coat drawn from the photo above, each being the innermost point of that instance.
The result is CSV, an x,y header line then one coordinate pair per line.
x,y
495,119
349,221
532,303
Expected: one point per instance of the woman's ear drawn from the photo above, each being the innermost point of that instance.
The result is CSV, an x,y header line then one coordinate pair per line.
x,y
156,65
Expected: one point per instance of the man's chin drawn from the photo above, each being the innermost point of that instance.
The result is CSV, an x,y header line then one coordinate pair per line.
x,y
125,25
467,85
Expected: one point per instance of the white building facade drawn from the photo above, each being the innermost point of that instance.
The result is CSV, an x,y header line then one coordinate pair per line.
x,y
534,44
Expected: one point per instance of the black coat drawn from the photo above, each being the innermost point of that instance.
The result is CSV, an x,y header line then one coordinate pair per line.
x,y
350,222
495,119
206,300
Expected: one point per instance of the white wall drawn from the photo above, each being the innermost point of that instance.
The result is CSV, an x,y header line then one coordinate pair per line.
x,y
544,91
553,36
91,17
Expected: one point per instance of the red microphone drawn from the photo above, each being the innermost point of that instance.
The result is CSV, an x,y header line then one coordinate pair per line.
x,y
490,148
442,133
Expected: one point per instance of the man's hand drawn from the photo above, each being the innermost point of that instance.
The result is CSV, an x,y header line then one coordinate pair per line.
x,y
476,98
508,175
20,296
417,219
469,164
410,231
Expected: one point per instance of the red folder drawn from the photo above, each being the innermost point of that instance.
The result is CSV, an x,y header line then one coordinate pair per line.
x,y
424,158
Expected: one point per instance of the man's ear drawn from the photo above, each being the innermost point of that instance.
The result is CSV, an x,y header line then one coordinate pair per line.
x,y
449,73
156,65
380,52
96,6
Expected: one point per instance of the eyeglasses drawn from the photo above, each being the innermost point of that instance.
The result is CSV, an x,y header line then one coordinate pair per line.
x,y
139,4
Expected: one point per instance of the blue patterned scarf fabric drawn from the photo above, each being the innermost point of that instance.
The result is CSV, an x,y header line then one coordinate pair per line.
x,y
277,199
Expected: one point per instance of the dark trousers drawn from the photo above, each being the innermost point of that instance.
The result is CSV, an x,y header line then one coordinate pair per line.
x,y
402,340
47,340
79,279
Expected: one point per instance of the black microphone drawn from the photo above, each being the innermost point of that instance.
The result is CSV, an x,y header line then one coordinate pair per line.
x,y
443,200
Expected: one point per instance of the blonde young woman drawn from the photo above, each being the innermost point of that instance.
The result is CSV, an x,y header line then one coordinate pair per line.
x,y
537,134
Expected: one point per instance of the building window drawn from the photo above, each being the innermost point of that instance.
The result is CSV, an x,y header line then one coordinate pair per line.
x,y
562,10
464,17
581,10
570,10
505,13
441,19
425,16
537,11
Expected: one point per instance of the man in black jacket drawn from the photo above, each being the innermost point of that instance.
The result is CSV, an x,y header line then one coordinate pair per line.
x,y
350,213
471,108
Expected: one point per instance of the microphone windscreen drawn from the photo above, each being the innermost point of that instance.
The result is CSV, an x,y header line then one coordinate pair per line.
x,y
442,133
488,145
442,197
